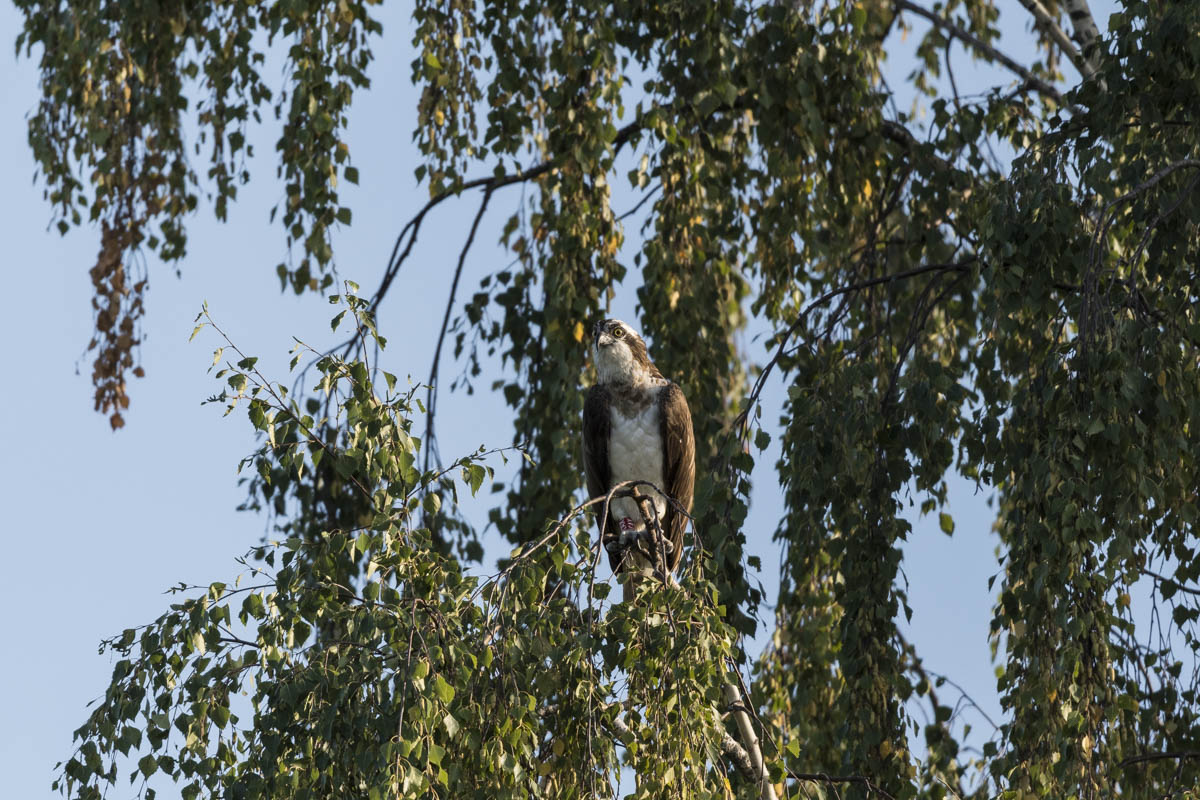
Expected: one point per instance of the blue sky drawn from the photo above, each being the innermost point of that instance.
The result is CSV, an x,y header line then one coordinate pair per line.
x,y
98,525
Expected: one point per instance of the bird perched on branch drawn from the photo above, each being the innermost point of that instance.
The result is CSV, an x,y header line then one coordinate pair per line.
x,y
637,427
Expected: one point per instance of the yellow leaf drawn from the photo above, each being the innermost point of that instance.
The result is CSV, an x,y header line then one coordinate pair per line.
x,y
579,331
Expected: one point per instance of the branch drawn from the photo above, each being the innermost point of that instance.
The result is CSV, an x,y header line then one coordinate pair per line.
x,y
1051,27
821,777
1086,32
1179,587
752,751
1178,754
902,136
986,49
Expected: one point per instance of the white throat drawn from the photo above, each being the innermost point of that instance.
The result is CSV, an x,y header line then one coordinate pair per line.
x,y
615,364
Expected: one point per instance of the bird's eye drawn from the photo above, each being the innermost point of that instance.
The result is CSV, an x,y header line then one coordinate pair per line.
x,y
618,333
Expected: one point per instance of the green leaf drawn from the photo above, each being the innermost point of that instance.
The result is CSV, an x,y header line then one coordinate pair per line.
x,y
946,522
443,690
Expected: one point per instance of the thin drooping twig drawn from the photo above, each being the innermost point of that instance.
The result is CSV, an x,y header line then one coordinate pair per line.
x,y
640,203
413,226
1052,29
431,389
987,50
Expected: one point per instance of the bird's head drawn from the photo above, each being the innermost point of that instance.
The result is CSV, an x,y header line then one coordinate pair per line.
x,y
621,355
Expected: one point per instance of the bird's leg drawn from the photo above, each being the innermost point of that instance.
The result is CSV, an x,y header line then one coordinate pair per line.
x,y
660,548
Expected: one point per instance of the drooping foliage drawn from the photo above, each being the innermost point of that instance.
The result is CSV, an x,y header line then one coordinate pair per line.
x,y
998,284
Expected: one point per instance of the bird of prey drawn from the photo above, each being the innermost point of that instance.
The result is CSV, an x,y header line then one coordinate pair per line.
x,y
636,426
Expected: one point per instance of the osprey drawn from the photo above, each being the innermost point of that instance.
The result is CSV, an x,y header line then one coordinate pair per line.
x,y
636,426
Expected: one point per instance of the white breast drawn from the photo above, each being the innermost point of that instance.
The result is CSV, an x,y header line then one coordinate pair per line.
x,y
635,454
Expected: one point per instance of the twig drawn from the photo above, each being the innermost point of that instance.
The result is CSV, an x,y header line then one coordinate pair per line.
x,y
431,389
640,203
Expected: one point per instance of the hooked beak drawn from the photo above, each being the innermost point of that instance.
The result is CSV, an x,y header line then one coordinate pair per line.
x,y
604,340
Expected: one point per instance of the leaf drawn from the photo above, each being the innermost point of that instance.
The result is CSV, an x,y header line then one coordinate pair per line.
x,y
474,477
946,522
443,690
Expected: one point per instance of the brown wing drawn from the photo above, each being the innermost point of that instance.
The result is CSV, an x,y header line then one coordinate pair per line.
x,y
597,427
679,462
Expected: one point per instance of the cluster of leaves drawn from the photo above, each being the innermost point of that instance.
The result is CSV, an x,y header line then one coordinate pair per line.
x,y
109,133
414,678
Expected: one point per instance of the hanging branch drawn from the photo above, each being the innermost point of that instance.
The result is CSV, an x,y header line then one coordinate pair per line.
x,y
489,185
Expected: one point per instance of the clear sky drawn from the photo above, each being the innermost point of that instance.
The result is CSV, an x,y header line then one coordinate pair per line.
x,y
98,524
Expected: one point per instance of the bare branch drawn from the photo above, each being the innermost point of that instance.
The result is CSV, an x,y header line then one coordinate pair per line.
x,y
987,50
